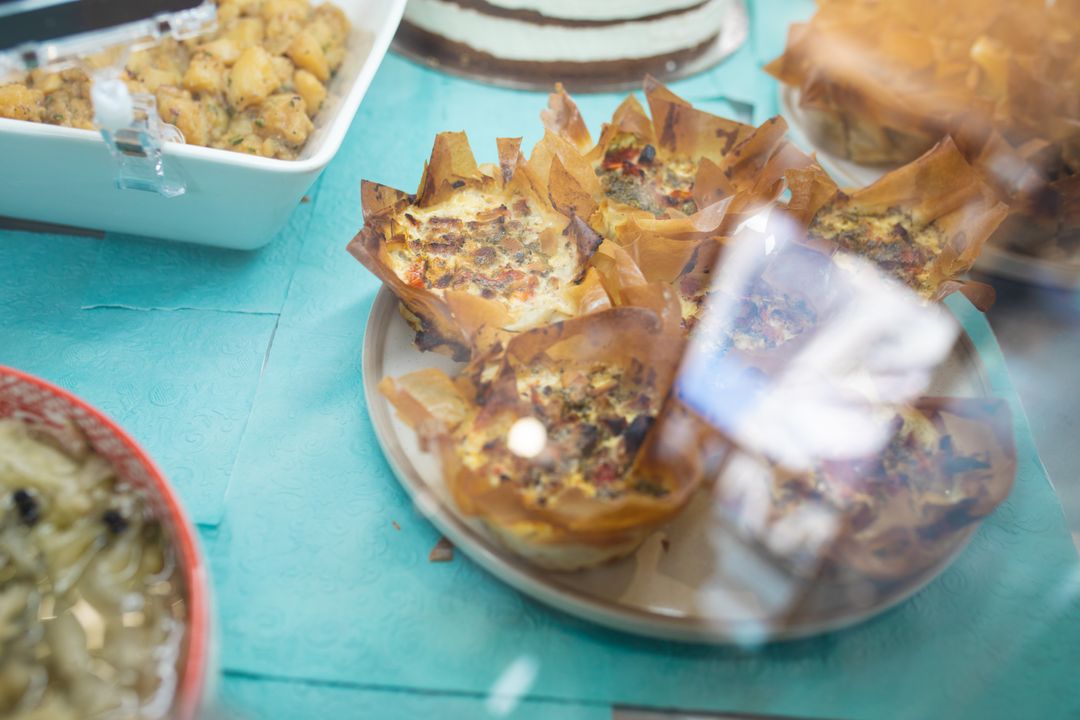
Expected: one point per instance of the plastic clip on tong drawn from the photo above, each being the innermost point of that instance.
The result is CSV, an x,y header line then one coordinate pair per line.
x,y
134,133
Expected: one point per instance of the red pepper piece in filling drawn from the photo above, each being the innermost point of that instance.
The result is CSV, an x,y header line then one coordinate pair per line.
x,y
414,276
624,160
605,475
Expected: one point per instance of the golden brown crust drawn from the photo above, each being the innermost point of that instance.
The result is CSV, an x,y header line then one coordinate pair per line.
x,y
683,173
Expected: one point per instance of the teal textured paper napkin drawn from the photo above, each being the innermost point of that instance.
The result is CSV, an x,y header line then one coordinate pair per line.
x,y
273,699
180,382
43,275
143,273
317,582
328,609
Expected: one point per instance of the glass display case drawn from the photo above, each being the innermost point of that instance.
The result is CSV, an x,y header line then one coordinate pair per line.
x,y
743,392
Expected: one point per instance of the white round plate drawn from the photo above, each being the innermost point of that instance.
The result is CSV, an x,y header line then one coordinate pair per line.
x,y
994,260
690,581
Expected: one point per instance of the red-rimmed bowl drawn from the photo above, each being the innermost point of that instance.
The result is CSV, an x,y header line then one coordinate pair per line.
x,y
36,401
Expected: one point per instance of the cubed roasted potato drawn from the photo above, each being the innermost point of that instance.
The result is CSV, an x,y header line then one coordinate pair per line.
x,y
163,65
19,102
217,115
151,78
245,32
251,79
284,116
285,69
240,134
307,53
336,22
177,107
284,19
205,74
309,88
331,28
242,7
68,107
46,82
227,12
223,49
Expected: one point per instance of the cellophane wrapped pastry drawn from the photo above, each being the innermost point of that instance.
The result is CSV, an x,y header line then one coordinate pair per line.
x,y
703,257
881,82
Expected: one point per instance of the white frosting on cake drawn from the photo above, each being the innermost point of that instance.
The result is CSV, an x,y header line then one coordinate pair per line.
x,y
521,40
596,9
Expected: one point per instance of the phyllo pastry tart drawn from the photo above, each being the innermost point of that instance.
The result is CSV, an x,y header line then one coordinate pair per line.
x,y
478,251
556,455
945,463
682,172
923,224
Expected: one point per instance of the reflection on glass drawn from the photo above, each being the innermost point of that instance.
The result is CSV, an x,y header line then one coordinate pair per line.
x,y
708,363
796,352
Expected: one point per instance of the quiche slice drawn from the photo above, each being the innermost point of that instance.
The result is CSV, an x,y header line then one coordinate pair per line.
x,y
556,456
477,252
947,463
923,224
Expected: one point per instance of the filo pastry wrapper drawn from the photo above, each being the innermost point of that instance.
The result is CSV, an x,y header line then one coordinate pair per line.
x,y
886,516
880,82
924,223
593,388
480,252
890,78
682,173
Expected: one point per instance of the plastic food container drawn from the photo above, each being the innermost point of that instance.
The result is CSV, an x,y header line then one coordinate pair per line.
x,y
26,397
233,200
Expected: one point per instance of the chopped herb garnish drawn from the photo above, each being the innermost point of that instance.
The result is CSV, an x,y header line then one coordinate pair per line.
x,y
259,122
236,140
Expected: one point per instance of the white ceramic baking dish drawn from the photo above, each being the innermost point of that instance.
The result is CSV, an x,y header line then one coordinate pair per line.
x,y
67,176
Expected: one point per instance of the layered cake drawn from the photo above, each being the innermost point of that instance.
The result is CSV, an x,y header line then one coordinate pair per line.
x,y
578,43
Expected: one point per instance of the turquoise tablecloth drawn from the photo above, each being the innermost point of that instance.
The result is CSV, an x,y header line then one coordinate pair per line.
x,y
240,373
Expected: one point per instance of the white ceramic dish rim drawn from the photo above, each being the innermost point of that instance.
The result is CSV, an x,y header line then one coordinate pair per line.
x,y
531,581
328,146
